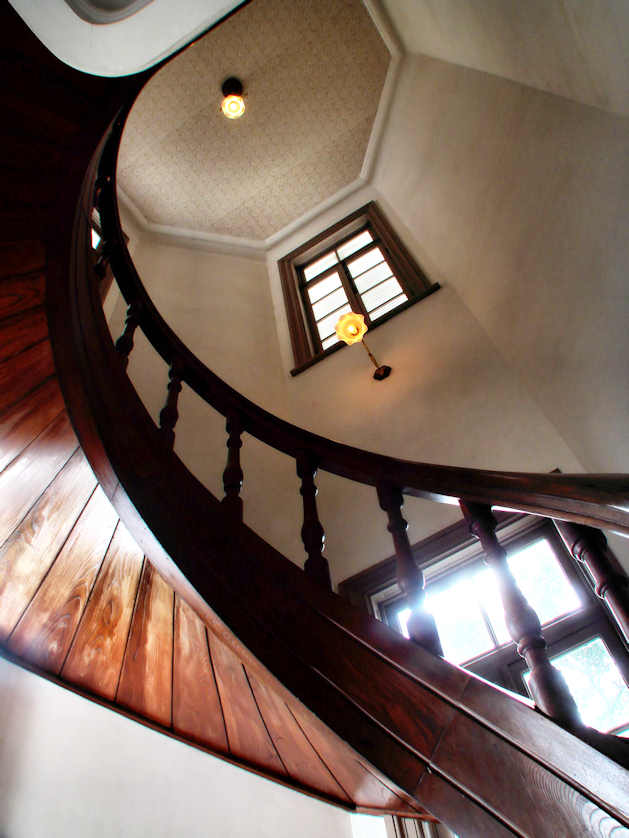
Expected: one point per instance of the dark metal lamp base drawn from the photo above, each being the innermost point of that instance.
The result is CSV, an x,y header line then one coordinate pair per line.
x,y
382,372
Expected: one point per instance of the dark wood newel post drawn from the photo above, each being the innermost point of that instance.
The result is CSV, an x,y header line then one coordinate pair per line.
x,y
169,414
589,546
124,344
549,689
421,625
233,476
312,533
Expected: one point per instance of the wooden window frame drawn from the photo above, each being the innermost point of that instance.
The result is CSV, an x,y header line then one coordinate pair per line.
x,y
375,589
305,342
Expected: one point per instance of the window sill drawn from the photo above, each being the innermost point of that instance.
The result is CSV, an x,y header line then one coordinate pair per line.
x,y
322,355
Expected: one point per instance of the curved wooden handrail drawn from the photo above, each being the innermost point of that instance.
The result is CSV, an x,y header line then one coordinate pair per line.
x,y
600,500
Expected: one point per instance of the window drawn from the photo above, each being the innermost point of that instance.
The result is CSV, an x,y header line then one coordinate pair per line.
x,y
357,265
462,595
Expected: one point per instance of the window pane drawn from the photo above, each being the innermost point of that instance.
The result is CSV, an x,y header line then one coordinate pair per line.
x,y
595,683
95,239
363,263
327,325
323,287
460,623
320,265
329,341
381,293
329,303
372,277
394,303
541,579
354,244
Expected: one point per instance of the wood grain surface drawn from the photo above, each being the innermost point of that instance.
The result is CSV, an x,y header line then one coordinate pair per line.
x,y
24,480
146,678
301,760
20,293
23,421
20,258
22,373
197,711
95,658
246,732
45,630
360,785
28,553
21,331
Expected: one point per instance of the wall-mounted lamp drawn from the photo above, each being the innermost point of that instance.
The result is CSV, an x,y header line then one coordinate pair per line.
x,y
233,105
351,328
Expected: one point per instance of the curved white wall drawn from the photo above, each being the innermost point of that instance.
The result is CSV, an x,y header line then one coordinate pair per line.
x,y
69,767
123,48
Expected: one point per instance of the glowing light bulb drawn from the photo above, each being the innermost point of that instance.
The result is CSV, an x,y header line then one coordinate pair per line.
x,y
233,106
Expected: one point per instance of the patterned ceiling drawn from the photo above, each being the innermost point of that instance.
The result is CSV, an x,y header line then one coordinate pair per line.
x,y
313,72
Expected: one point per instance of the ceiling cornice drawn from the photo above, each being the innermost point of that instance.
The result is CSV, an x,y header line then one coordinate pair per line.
x,y
258,248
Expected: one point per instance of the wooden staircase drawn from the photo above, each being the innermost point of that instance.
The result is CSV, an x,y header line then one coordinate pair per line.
x,y
80,604
121,577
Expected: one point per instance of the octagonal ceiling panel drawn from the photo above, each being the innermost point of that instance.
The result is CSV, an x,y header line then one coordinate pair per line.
x,y
313,72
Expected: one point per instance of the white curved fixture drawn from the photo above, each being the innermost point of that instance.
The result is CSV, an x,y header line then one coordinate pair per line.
x,y
127,46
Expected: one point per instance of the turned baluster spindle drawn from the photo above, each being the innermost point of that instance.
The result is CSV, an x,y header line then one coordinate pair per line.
x,y
124,344
312,533
548,687
421,625
233,476
169,414
589,546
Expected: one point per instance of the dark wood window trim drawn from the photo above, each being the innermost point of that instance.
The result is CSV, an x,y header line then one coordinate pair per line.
x,y
502,665
306,348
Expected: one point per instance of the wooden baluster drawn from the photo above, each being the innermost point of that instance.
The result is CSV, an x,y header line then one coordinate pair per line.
x,y
548,687
233,476
589,546
421,625
124,344
169,414
312,533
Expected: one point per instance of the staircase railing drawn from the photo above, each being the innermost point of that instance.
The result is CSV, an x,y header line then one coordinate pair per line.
x,y
413,716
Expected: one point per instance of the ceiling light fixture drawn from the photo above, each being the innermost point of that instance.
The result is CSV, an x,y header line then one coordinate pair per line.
x,y
351,328
233,105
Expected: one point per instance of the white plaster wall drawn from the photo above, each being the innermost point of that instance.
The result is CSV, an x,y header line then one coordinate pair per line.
x,y
69,767
520,201
575,48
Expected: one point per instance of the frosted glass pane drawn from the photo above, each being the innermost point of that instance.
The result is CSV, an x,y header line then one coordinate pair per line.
x,y
394,303
363,263
323,287
322,264
329,303
354,244
372,277
595,683
329,341
381,293
462,629
327,325
541,579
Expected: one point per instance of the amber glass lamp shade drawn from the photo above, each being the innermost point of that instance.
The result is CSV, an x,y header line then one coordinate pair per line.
x,y
233,105
351,327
